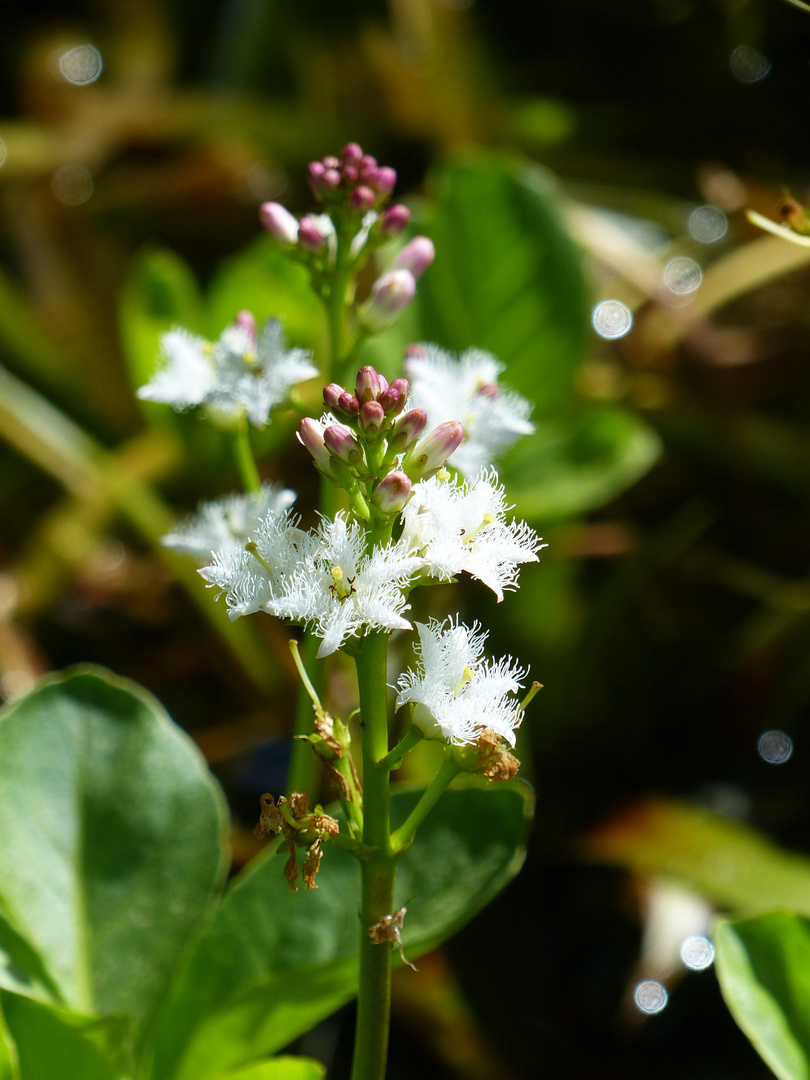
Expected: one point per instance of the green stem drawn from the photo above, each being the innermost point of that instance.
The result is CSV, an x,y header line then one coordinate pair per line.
x,y
303,769
393,760
239,440
403,837
379,869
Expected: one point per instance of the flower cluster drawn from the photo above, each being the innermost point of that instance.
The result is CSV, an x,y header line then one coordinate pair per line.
x,y
369,442
227,524
354,190
456,695
466,389
244,374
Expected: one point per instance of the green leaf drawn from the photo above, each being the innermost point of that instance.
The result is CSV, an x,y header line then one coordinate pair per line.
x,y
50,1041
159,294
730,863
261,279
113,840
272,963
507,277
576,465
281,1068
763,965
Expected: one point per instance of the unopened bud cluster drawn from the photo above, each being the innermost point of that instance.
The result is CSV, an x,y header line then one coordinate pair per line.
x,y
375,444
353,190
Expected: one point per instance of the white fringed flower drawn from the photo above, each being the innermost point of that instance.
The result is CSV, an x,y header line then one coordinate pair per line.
x,y
467,390
462,528
240,375
250,577
227,523
340,588
456,695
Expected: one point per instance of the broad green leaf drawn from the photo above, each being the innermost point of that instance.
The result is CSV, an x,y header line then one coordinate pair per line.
x,y
570,467
507,277
112,841
732,864
50,1042
160,293
763,965
273,962
261,279
281,1068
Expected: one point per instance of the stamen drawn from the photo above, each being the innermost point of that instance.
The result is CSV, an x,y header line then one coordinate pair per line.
x,y
487,520
466,676
533,691
342,589
251,547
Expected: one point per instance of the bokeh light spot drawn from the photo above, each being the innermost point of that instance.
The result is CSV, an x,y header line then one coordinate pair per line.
x,y
747,65
72,184
697,952
682,275
81,65
775,747
707,224
650,996
612,319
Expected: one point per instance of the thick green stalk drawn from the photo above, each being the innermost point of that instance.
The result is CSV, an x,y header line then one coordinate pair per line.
x,y
378,870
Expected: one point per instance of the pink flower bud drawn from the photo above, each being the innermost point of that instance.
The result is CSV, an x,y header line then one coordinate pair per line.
x,y
488,390
246,321
348,405
279,222
416,256
362,199
407,430
330,181
342,444
352,153
390,293
310,236
349,174
315,171
394,220
393,399
372,418
369,384
383,180
330,162
310,435
331,395
392,492
366,164
430,453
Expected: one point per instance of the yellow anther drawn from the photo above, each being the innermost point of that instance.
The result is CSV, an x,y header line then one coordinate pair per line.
x,y
466,676
337,574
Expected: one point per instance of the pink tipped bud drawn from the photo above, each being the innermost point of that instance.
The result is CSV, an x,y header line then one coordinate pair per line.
x,y
330,181
330,162
393,399
430,453
315,172
246,321
341,443
369,385
416,256
366,164
394,220
279,222
488,390
310,236
407,430
383,180
331,395
352,153
392,493
390,293
349,174
362,199
372,418
348,405
311,435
